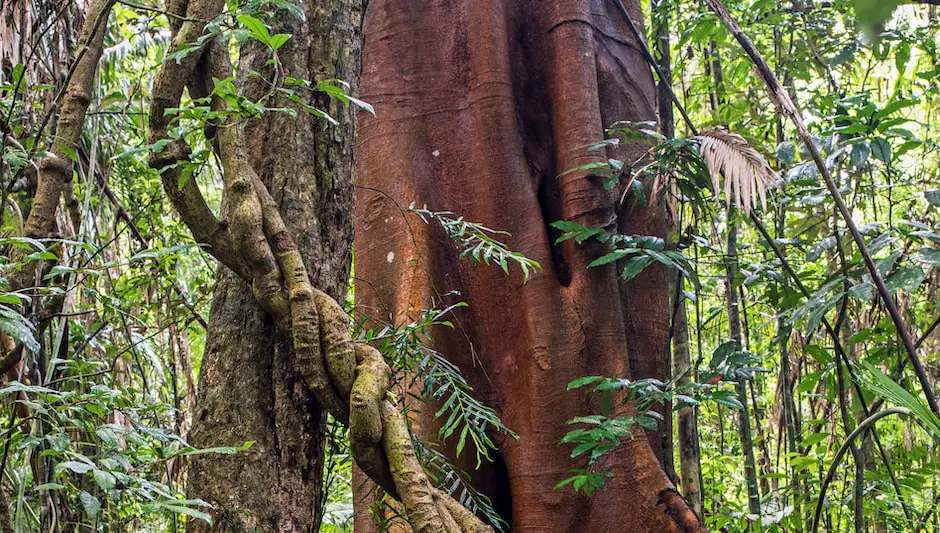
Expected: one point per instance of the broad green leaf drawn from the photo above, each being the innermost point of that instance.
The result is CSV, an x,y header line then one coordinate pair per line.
x,y
902,55
257,28
634,266
862,291
892,107
16,76
587,380
16,386
589,166
90,503
609,258
18,328
48,486
188,511
104,479
845,54
860,153
818,353
813,439
74,466
803,463
362,105
221,450
881,149
930,256
11,298
809,382
278,40
23,243
907,278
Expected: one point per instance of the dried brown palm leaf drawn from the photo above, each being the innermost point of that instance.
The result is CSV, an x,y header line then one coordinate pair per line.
x,y
747,174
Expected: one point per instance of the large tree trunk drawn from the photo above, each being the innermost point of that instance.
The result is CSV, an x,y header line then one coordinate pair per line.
x,y
249,388
481,105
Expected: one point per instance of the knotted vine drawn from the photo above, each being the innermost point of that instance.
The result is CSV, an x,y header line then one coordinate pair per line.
x,y
349,379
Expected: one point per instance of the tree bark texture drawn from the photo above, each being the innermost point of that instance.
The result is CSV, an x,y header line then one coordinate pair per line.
x,y
249,388
480,106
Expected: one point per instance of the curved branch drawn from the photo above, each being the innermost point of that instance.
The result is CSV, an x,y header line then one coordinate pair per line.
x,y
185,196
849,442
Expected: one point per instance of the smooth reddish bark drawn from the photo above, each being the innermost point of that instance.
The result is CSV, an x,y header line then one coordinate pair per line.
x,y
481,104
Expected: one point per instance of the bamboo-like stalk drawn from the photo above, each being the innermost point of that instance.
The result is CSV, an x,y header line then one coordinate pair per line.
x,y
734,329
690,468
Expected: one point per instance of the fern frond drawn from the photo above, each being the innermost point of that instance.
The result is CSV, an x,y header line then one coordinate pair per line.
x,y
478,241
747,174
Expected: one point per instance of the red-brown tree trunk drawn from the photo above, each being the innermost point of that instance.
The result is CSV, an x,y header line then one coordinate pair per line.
x,y
481,104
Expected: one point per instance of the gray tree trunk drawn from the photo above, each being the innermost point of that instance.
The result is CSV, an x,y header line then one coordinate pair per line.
x,y
249,389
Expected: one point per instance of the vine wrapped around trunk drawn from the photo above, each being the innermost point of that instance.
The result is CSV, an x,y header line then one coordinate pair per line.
x,y
350,380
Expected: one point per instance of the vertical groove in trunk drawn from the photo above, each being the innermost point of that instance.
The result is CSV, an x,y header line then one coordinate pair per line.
x,y
480,106
667,126
249,388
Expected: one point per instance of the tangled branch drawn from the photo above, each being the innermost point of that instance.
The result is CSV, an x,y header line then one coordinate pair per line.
x,y
350,380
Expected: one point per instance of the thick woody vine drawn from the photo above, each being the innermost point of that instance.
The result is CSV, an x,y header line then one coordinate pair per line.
x,y
349,379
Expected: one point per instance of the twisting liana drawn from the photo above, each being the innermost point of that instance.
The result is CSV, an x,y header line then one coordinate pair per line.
x,y
349,379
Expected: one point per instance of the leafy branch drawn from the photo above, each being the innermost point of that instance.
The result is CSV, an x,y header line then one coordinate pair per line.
x,y
477,241
457,483
467,417
637,251
602,434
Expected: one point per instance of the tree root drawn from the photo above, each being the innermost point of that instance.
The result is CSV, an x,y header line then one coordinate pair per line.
x,y
350,380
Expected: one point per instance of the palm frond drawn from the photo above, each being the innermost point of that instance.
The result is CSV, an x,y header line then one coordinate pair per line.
x,y
884,386
747,174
